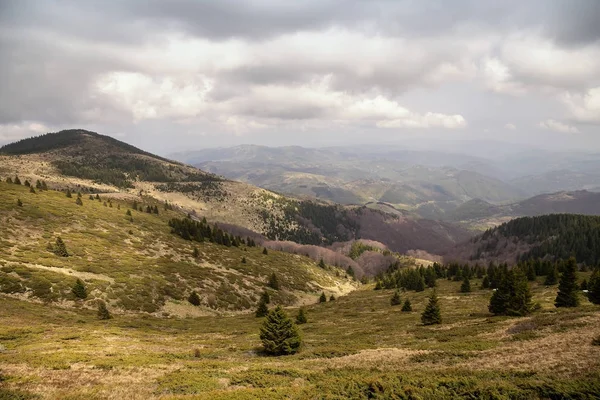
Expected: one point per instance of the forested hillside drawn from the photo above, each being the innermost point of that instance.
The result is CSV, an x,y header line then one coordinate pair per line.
x,y
555,236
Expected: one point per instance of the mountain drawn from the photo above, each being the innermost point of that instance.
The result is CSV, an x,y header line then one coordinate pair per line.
x,y
481,213
554,236
428,183
85,161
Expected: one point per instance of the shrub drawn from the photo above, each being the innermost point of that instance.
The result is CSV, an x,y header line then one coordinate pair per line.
x,y
194,299
279,334
79,290
265,297
407,307
103,312
552,277
466,285
265,251
78,201
262,308
59,248
332,298
323,298
396,300
301,317
19,203
273,281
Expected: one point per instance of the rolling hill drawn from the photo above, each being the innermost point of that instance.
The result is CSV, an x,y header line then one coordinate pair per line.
x,y
480,213
86,161
428,183
132,260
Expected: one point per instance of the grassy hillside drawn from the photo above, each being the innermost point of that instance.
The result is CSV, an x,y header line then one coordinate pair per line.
x,y
356,347
137,264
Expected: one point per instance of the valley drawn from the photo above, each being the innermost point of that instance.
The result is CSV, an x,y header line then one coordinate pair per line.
x,y
128,275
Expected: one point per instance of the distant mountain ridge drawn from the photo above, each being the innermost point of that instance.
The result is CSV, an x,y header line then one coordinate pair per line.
x,y
566,202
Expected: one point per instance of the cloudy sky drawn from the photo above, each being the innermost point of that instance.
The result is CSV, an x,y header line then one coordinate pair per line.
x,y
174,75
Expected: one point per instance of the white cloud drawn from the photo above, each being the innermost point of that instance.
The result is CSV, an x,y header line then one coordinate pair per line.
x,y
510,127
163,97
557,126
584,108
12,132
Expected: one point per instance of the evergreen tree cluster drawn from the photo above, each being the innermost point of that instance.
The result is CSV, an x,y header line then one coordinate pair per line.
x,y
200,231
555,236
512,297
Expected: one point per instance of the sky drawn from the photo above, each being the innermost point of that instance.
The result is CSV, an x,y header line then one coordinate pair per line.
x,y
187,74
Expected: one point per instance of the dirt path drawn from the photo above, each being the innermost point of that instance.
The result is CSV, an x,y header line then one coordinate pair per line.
x,y
67,271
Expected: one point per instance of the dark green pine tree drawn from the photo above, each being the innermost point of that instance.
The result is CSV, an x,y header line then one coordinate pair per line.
x,y
243,260
512,296
19,203
378,285
323,298
38,184
274,281
420,285
78,201
594,287
332,298
194,299
98,198
552,277
279,334
79,289
68,194
128,213
432,314
103,312
265,251
485,284
396,300
322,263
17,181
430,278
60,249
31,189
531,272
9,180
265,297
27,183
583,285
567,288
301,317
195,252
466,285
262,308
91,197
44,186
407,307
